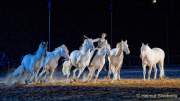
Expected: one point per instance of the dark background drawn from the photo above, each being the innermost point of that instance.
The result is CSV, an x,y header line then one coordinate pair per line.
x,y
24,24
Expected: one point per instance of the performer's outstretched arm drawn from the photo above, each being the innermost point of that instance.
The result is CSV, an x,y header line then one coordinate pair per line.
x,y
86,37
96,40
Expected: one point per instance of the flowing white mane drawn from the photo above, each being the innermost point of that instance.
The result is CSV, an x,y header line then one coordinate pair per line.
x,y
58,49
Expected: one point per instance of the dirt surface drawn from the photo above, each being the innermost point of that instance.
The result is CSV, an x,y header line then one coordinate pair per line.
x,y
126,89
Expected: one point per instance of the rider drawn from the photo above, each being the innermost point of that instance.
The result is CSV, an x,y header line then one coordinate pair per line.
x,y
102,42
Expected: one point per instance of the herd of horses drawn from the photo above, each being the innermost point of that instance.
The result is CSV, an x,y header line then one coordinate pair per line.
x,y
41,65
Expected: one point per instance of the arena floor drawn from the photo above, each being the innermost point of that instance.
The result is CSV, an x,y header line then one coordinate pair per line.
x,y
103,89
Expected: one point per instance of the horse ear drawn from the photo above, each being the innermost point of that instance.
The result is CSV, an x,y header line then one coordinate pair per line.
x,y
142,44
125,41
63,45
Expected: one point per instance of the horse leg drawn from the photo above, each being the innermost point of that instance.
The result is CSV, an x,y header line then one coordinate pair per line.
x,y
161,67
91,72
45,78
144,71
115,76
155,71
113,71
149,72
74,73
51,73
109,72
41,74
36,75
67,75
99,70
66,69
78,59
80,72
109,75
28,78
32,75
119,75
118,71
25,75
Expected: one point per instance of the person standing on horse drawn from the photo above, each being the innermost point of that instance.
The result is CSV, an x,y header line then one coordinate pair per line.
x,y
102,42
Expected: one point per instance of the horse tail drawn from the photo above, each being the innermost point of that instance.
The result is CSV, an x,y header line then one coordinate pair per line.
x,y
18,71
12,78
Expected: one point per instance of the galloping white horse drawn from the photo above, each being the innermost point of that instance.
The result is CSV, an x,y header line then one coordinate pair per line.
x,y
151,57
80,58
51,60
31,64
98,62
116,59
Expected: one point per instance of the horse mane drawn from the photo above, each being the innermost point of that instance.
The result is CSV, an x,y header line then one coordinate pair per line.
x,y
83,44
39,47
146,47
65,47
62,46
119,46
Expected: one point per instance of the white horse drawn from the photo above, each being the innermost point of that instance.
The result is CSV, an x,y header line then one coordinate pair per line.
x,y
98,62
116,59
51,61
31,64
151,57
80,58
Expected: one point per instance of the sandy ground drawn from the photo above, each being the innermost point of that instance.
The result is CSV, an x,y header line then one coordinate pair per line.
x,y
126,89
130,87
166,83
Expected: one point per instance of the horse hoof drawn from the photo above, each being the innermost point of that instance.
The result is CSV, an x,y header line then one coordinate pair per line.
x,y
85,81
73,80
112,81
95,81
107,78
26,82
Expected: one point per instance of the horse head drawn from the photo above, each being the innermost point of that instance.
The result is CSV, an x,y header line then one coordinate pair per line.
x,y
42,48
125,47
88,44
144,50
